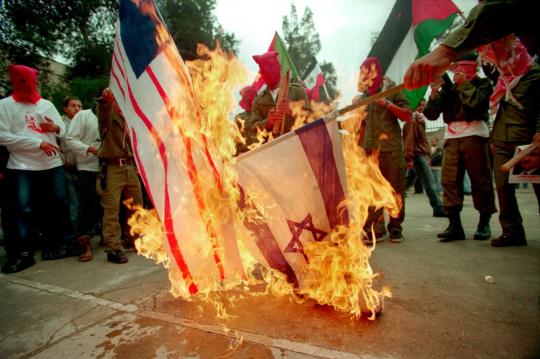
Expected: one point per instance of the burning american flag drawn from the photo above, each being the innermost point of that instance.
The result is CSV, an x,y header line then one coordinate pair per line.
x,y
154,91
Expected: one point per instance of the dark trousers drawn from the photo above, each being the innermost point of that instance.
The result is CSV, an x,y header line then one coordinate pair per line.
x,y
52,188
424,175
509,215
392,165
90,210
6,215
472,154
411,178
71,177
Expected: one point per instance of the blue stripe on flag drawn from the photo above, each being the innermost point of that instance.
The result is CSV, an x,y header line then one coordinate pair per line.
x,y
317,146
138,33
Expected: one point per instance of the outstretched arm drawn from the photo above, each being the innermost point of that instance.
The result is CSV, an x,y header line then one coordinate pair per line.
x,y
486,23
430,67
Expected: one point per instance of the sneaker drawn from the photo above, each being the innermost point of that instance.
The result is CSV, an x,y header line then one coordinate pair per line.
x,y
369,241
117,257
482,233
379,237
396,237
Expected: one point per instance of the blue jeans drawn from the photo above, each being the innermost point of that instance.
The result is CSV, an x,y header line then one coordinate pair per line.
x,y
423,171
436,172
90,211
42,197
71,178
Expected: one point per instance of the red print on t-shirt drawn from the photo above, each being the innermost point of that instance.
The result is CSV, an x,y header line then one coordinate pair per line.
x,y
31,123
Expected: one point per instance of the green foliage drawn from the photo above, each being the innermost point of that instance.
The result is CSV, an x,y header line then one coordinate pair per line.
x,y
301,37
31,29
35,29
193,21
330,78
84,88
92,38
81,33
87,89
56,93
304,44
92,59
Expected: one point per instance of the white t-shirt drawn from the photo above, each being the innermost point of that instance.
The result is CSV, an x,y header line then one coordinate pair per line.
x,y
21,134
460,129
84,132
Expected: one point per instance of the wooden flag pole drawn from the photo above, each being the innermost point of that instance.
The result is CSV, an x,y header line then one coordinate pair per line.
x,y
505,168
279,127
370,99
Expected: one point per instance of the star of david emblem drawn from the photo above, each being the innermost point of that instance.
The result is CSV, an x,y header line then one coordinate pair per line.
x,y
296,228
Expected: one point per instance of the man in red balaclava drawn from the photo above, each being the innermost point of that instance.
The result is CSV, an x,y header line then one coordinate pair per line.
x,y
30,127
464,105
265,112
313,93
382,132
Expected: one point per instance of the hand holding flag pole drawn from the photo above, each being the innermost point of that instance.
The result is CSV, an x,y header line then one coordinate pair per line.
x,y
283,95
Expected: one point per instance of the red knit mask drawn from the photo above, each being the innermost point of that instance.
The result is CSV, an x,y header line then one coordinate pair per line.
x,y
269,68
24,83
371,76
313,93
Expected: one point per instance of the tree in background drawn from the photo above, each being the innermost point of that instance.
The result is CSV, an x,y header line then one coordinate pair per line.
x,y
191,22
330,78
80,34
304,44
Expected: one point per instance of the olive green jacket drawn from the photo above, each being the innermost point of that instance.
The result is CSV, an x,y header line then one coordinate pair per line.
x,y
382,128
494,19
264,102
518,123
468,101
115,142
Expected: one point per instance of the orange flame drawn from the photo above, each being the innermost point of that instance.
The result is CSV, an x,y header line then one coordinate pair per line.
x,y
339,271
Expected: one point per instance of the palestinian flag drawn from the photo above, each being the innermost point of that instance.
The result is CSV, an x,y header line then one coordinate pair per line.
x,y
408,34
278,46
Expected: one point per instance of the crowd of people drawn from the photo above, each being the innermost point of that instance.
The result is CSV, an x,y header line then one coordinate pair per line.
x,y
64,178
471,150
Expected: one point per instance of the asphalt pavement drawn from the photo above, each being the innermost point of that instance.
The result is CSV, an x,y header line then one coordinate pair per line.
x,y
442,305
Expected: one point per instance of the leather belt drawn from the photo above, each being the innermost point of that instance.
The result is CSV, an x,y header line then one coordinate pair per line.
x,y
120,161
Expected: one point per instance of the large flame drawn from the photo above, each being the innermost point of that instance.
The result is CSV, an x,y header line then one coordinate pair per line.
x,y
339,271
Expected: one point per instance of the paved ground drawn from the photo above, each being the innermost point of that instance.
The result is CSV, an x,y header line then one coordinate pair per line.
x,y
442,306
